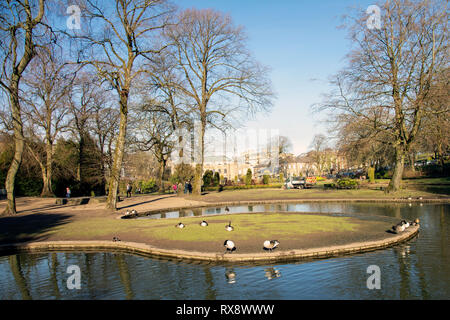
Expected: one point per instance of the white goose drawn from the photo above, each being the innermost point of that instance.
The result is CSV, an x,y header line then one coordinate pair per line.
x,y
229,227
204,223
271,244
398,228
180,226
229,245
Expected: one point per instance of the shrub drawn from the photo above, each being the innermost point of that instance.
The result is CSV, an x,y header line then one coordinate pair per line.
x,y
208,178
347,183
248,177
216,180
371,174
266,179
148,186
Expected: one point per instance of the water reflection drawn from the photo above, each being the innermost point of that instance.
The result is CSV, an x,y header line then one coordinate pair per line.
x,y
419,269
272,273
230,275
392,210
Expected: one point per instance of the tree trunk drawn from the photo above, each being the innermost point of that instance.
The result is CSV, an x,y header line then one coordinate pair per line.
x,y
47,176
161,174
412,160
19,143
197,187
394,184
118,154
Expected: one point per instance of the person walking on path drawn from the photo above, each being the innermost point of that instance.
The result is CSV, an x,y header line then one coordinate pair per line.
x,y
186,187
174,188
68,192
129,190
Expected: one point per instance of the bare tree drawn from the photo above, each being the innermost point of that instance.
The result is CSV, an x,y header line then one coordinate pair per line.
x,y
390,72
18,23
48,83
87,97
153,131
435,132
123,37
215,72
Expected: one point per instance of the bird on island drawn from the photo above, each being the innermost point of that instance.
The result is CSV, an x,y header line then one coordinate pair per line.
x,y
204,223
133,212
398,228
180,225
420,198
230,246
115,239
409,198
415,222
271,244
127,213
405,223
227,209
229,227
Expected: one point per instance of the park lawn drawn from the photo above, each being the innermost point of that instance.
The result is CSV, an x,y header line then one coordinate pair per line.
x,y
247,226
430,181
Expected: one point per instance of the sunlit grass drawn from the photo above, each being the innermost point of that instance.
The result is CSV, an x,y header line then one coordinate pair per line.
x,y
247,226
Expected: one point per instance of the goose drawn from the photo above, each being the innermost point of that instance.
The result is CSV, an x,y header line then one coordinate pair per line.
x,y
415,222
180,226
271,244
409,198
204,223
420,198
398,228
229,227
133,212
227,209
127,213
405,223
115,239
229,245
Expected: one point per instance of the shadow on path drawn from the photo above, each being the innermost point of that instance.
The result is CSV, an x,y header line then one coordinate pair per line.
x,y
31,227
145,202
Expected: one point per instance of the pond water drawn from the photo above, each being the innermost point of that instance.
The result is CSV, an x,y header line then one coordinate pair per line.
x,y
419,269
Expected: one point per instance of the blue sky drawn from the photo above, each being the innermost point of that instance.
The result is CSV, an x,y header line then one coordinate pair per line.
x,y
299,40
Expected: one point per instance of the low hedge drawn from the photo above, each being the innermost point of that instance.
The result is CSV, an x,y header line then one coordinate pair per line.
x,y
344,183
245,187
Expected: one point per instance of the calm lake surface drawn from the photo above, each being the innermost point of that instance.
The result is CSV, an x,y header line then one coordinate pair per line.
x,y
419,269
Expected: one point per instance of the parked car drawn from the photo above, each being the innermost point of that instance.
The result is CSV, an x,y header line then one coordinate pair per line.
x,y
300,182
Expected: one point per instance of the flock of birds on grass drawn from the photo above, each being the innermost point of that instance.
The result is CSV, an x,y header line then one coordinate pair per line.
x,y
403,225
270,245
132,212
229,244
